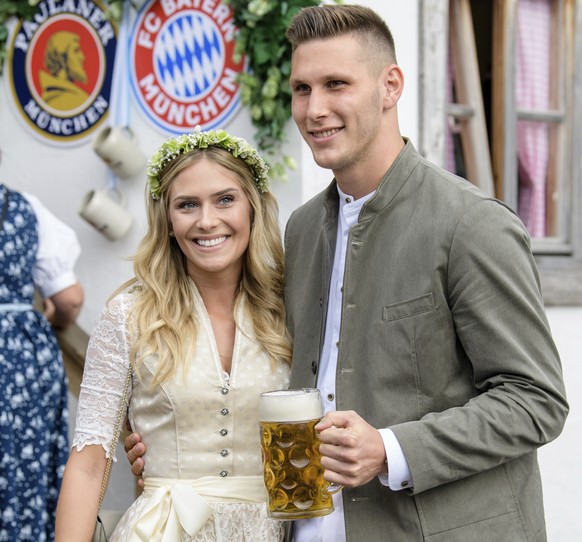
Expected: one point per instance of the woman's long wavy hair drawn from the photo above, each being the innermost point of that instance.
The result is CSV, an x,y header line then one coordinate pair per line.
x,y
163,320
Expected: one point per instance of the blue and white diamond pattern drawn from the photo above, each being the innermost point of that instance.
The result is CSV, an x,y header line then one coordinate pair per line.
x,y
189,56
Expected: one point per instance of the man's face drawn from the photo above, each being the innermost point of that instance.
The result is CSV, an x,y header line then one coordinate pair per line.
x,y
337,103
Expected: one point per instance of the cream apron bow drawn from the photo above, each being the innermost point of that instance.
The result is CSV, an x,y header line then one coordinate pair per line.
x,y
176,506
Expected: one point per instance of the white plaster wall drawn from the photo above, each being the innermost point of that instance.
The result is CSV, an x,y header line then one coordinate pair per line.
x,y
60,177
560,460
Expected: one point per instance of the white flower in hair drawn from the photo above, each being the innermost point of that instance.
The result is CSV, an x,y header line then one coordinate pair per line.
x,y
198,139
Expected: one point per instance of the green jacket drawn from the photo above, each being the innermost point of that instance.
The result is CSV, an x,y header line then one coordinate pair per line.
x,y
445,340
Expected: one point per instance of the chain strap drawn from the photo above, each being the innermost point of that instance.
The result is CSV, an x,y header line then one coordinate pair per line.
x,y
115,438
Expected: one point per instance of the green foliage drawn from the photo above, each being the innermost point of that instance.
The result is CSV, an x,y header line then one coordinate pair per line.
x,y
12,8
265,87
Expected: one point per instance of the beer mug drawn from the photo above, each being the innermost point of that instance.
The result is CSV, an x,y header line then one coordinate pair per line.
x,y
105,211
117,147
290,450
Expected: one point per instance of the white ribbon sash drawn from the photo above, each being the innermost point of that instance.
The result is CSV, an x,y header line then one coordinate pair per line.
x,y
176,506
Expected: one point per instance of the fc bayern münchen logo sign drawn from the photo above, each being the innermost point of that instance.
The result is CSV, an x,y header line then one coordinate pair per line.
x,y
61,67
184,68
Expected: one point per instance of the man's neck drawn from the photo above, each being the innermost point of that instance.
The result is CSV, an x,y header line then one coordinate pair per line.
x,y
361,181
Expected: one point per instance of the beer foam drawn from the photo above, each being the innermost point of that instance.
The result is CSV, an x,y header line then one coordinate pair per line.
x,y
290,405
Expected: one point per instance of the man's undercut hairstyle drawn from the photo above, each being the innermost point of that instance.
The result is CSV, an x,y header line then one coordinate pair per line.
x,y
330,21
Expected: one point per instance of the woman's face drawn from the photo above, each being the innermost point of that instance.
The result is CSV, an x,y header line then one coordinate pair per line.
x,y
210,216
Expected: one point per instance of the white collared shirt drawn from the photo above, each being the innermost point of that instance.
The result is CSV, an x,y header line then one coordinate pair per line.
x,y
330,528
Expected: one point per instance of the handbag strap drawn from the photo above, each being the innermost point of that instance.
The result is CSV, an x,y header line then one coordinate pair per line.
x,y
115,438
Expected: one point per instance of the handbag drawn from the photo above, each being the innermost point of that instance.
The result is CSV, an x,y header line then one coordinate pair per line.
x,y
106,522
107,519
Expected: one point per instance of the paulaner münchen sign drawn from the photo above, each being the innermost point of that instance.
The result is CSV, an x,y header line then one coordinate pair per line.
x,y
61,67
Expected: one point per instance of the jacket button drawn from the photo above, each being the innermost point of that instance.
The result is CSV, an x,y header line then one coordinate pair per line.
x,y
223,473
224,453
224,432
314,367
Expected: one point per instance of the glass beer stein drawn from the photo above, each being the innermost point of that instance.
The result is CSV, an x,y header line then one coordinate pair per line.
x,y
290,451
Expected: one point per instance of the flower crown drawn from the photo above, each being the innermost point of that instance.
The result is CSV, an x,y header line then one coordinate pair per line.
x,y
198,139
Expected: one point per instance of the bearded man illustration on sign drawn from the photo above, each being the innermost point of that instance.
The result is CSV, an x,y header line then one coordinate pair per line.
x,y
64,59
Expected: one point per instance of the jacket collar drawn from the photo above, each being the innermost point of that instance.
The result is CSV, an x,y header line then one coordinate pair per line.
x,y
390,185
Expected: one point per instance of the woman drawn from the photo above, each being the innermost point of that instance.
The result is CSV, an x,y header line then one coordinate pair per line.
x,y
202,324
37,251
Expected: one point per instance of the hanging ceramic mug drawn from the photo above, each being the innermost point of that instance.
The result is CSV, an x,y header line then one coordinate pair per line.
x,y
105,211
117,147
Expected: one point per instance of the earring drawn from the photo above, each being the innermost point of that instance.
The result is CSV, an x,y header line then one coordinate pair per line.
x,y
172,234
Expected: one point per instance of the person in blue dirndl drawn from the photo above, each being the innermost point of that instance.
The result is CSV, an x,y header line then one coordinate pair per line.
x,y
37,250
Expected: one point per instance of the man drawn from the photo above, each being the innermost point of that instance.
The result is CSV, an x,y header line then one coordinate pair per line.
x,y
415,307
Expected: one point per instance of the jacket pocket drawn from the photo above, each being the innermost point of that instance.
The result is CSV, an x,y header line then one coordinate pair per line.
x,y
410,307
506,528
478,508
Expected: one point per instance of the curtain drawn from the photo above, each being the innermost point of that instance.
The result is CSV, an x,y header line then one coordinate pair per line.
x,y
533,92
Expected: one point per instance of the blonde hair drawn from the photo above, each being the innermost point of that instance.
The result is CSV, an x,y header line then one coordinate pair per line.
x,y
162,320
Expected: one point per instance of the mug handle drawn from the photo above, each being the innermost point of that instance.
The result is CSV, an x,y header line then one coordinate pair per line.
x,y
332,488
118,194
129,132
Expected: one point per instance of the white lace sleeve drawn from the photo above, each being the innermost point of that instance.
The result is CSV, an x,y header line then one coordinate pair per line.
x,y
104,376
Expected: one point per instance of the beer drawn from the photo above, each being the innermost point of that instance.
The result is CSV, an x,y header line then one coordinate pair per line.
x,y
290,449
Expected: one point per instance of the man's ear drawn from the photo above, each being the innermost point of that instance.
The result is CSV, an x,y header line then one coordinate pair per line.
x,y
393,81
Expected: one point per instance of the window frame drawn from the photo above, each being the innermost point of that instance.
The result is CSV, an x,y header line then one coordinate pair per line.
x,y
559,258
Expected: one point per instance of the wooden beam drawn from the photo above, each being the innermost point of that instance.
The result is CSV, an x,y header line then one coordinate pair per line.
x,y
469,92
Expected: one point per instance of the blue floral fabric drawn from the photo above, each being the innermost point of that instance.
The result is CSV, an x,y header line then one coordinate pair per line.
x,y
33,397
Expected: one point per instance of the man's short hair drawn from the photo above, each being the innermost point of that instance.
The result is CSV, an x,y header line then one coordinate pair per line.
x,y
329,21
